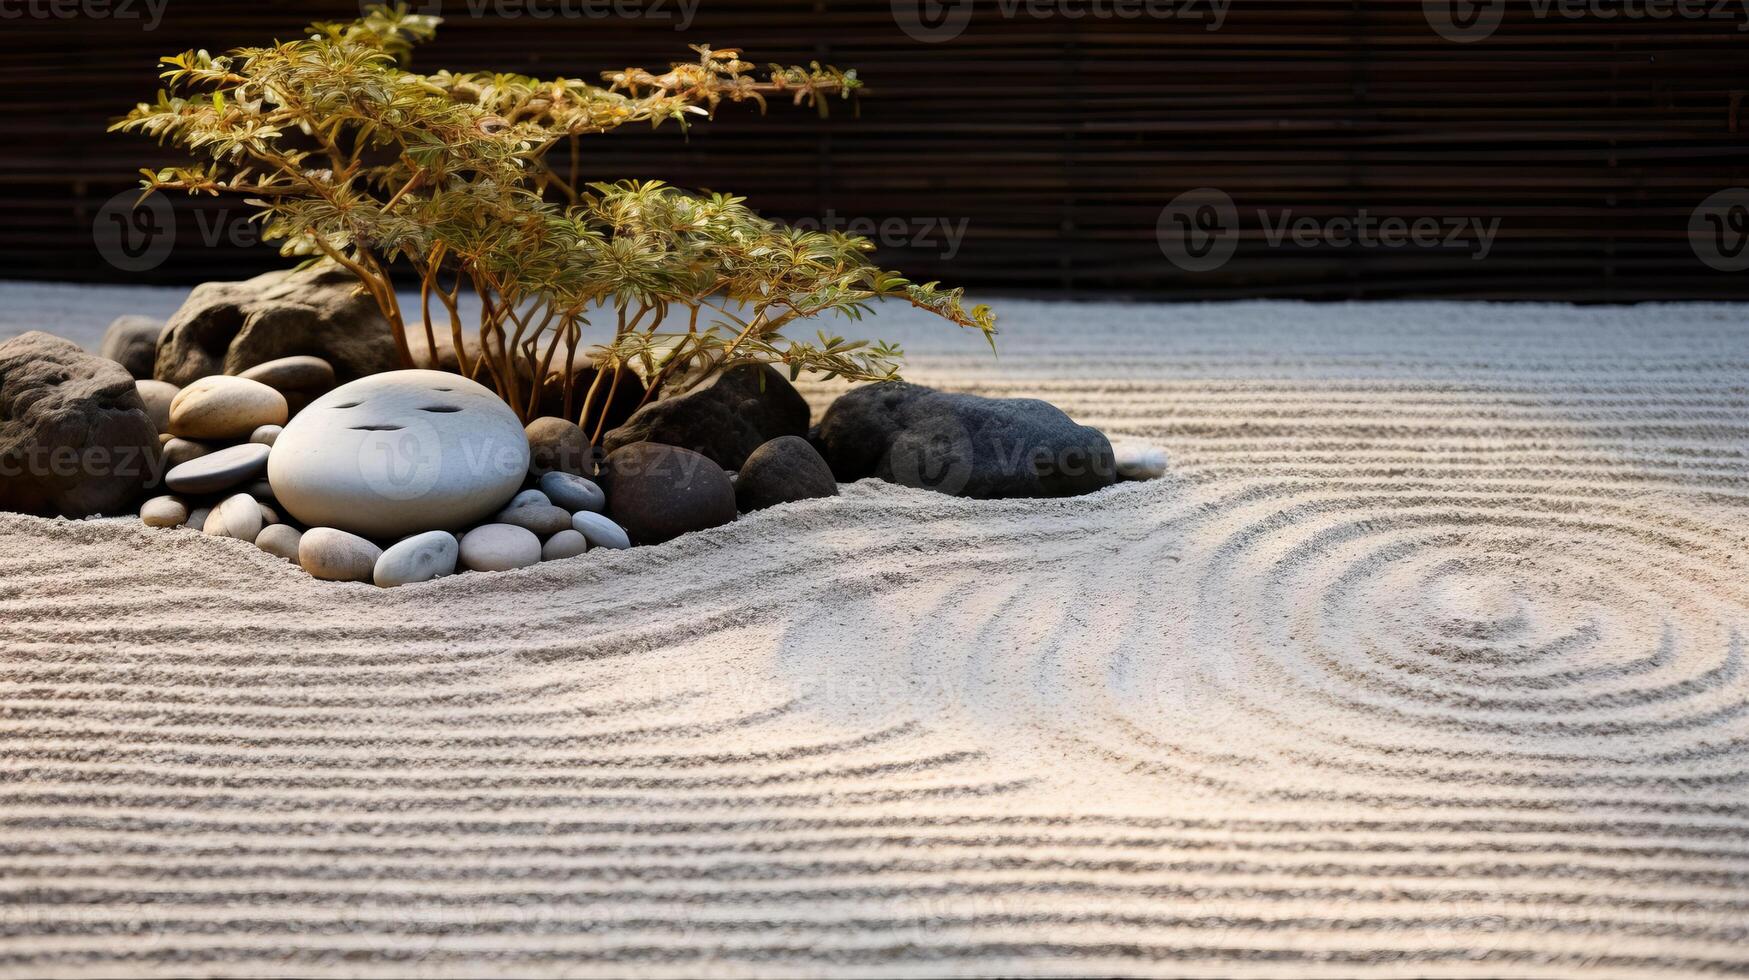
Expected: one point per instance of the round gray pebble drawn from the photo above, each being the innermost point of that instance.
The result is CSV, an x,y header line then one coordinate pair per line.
x,y
600,531
573,492
544,520
499,548
419,558
568,543
281,540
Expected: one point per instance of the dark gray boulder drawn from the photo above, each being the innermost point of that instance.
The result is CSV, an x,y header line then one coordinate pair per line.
x,y
132,342
229,327
965,445
75,439
724,419
786,468
658,492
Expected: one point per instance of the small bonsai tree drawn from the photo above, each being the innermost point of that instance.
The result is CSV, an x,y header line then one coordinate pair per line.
x,y
351,156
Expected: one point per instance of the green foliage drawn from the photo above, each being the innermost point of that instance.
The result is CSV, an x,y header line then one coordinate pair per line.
x,y
349,155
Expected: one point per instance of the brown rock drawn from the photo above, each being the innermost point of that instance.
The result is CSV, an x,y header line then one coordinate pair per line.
x,y
229,327
75,438
301,379
132,342
555,445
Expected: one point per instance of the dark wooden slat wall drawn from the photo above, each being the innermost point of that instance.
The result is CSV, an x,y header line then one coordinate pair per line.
x,y
1055,140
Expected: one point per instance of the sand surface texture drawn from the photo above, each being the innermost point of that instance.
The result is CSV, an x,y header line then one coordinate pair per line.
x,y
1427,659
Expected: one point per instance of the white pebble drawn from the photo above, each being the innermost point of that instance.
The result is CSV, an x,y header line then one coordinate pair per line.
x,y
281,540
419,558
239,516
1141,463
163,511
499,548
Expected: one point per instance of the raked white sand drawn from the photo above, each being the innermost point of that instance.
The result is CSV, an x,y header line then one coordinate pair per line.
x,y
1427,659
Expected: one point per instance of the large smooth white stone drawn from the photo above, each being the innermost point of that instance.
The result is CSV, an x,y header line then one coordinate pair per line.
x,y
399,453
419,558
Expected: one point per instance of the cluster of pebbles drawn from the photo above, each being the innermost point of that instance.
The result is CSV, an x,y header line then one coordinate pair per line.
x,y
395,478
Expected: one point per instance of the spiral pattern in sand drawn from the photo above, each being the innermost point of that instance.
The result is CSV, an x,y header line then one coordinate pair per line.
x,y
1427,659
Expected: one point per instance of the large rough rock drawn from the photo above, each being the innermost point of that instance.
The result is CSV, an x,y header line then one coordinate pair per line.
x,y
132,342
965,445
229,327
75,438
725,419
